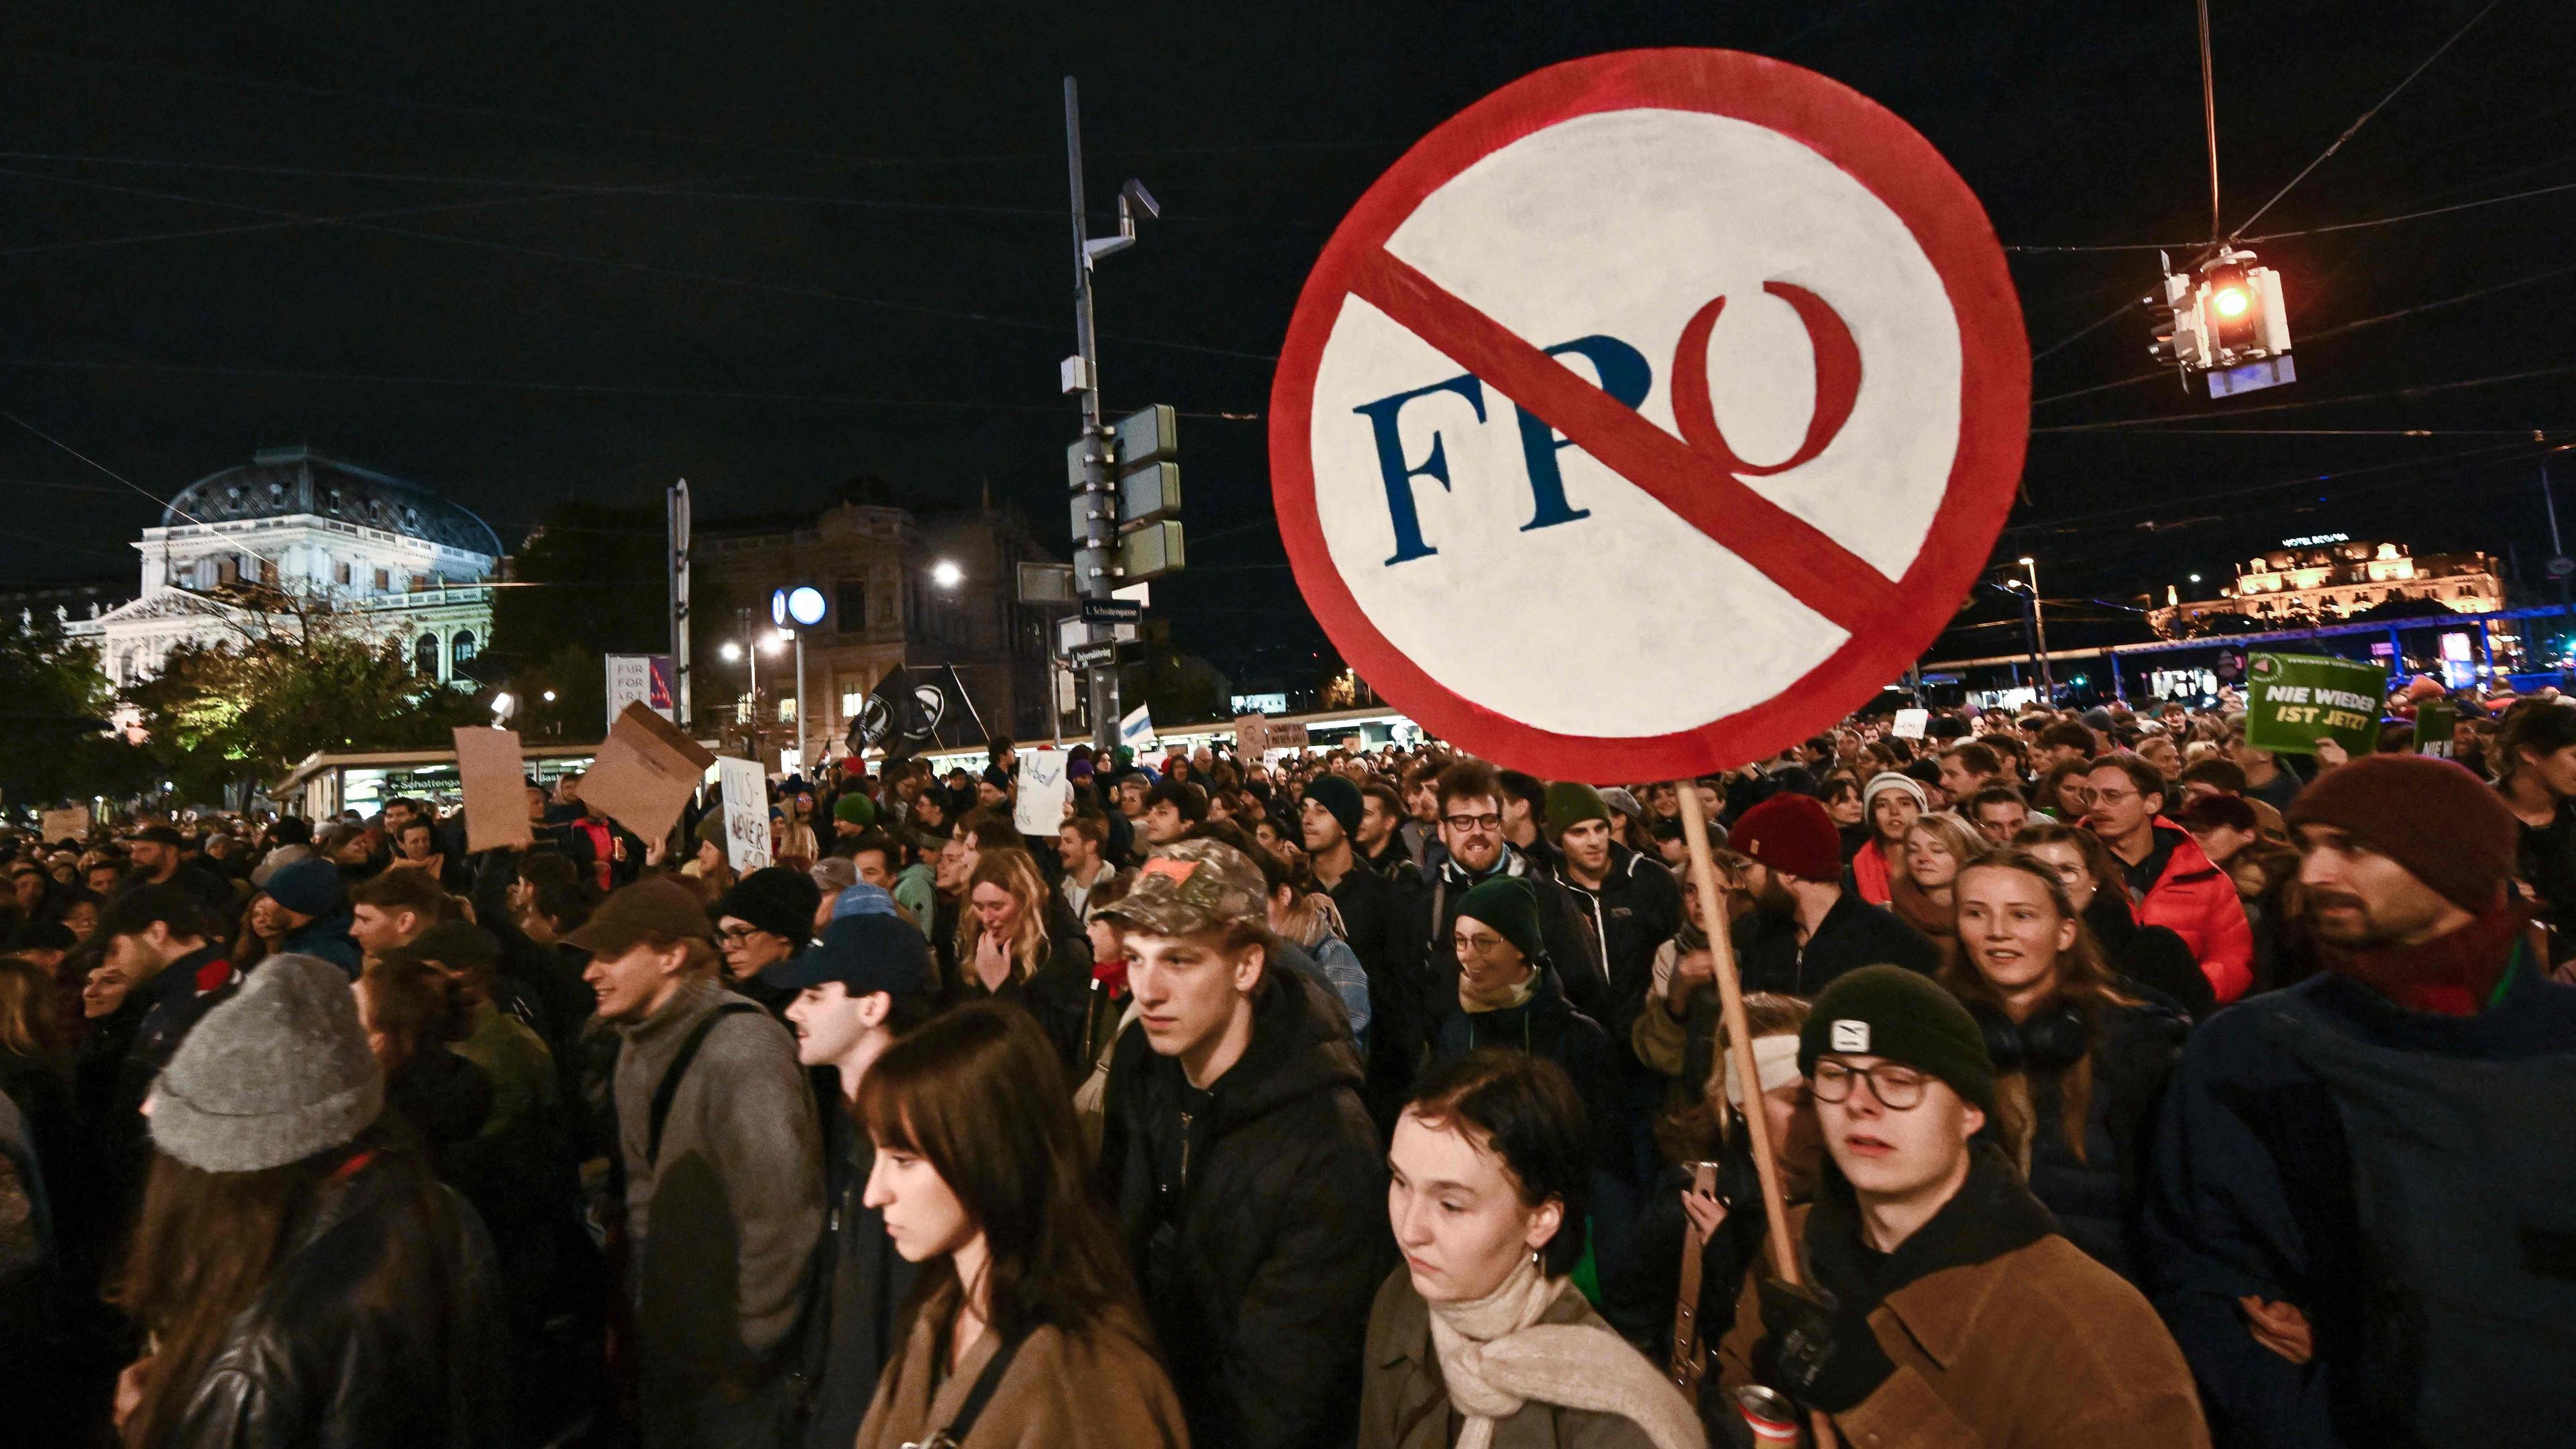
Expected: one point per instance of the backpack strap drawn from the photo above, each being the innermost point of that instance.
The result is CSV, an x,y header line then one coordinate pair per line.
x,y
669,1087
956,1430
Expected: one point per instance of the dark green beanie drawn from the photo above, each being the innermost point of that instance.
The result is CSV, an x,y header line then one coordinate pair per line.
x,y
855,809
1570,803
1510,905
1902,1016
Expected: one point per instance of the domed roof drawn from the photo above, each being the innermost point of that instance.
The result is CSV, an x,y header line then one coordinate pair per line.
x,y
279,482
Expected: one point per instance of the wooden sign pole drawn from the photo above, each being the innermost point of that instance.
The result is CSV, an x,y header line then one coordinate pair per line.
x,y
1739,1048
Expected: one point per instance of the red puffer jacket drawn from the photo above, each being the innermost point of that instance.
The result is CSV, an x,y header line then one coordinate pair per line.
x,y
2197,901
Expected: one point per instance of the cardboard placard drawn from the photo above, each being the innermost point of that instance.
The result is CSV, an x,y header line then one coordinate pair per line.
x,y
1251,734
1911,723
2294,700
60,825
746,814
494,776
1045,790
645,773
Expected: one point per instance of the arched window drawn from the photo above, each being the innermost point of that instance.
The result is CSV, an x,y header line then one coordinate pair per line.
x,y
460,650
424,655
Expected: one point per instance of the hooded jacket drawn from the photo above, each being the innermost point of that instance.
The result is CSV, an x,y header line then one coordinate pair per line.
x,y
380,1326
1255,1216
2002,1332
2197,901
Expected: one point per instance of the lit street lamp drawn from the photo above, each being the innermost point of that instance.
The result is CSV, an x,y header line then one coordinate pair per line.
x,y
2039,627
946,574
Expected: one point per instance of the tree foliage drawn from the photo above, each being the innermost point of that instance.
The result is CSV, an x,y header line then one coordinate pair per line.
x,y
54,704
295,674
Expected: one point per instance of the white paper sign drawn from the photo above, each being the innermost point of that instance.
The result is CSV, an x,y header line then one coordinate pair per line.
x,y
746,813
1910,723
1044,792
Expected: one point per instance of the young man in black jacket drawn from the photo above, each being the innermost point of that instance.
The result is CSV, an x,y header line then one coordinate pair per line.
x,y
863,986
1374,911
1249,1183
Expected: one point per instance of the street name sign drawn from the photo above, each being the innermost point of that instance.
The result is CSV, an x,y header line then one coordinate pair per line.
x,y
1649,415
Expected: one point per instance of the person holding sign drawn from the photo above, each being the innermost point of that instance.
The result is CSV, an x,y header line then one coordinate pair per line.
x,y
1945,1308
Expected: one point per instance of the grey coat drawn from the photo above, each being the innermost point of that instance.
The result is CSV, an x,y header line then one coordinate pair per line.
x,y
723,1229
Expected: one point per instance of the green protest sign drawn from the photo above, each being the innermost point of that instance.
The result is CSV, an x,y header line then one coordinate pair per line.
x,y
2434,719
2295,700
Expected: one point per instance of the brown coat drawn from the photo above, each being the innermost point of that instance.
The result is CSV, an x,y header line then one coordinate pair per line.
x,y
1404,1405
1099,1389
2041,1346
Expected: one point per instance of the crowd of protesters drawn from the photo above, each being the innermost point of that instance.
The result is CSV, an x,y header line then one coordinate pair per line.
x,y
2127,1085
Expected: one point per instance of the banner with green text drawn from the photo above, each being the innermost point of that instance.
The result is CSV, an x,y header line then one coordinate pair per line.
x,y
2295,700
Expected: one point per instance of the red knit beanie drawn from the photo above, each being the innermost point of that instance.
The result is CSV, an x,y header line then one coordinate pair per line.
x,y
1791,834
2429,815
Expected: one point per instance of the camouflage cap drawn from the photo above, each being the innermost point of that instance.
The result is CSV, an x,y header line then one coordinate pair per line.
x,y
1189,887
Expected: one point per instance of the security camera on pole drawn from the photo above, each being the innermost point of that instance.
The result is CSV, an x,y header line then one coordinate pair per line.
x,y
1123,529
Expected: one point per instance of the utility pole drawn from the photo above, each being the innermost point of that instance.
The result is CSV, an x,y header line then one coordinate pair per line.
x,y
1095,546
751,661
2039,631
678,516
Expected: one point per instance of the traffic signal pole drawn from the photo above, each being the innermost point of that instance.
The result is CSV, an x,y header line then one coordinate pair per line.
x,y
1094,546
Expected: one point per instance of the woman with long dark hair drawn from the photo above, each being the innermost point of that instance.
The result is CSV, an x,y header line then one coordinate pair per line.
x,y
1026,1326
2080,1063
301,1277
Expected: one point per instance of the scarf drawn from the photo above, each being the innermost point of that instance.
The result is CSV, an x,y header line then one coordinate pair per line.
x,y
2451,975
1495,1356
1919,910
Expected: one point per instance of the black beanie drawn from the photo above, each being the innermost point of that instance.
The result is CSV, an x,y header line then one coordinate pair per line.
x,y
1904,1017
778,899
1340,798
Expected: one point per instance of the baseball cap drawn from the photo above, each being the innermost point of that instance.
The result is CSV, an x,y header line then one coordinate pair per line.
x,y
1190,887
866,953
633,913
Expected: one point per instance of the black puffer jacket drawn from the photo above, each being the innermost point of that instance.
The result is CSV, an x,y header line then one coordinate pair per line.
x,y
381,1328
1255,1213
2133,1050
1565,927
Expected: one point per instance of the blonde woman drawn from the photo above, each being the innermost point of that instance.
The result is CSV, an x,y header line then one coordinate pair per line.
x,y
1007,951
1937,848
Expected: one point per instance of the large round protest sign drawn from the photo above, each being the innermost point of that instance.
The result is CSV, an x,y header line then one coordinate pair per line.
x,y
1651,414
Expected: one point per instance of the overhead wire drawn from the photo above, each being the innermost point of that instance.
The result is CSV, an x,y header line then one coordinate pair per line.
x,y
624,264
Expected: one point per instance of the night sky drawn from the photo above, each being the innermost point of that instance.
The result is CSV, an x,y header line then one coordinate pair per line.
x,y
574,252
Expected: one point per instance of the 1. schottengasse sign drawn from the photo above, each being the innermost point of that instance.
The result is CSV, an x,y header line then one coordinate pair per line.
x,y
2294,700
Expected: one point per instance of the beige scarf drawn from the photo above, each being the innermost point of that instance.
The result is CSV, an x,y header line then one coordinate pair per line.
x,y
1495,1355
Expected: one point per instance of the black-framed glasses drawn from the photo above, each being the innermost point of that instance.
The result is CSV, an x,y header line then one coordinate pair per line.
x,y
1897,1088
1473,822
737,935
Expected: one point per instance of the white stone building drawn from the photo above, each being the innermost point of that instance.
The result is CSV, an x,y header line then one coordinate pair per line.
x,y
413,564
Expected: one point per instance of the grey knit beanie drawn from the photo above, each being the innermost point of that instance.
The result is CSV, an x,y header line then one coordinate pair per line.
x,y
278,1073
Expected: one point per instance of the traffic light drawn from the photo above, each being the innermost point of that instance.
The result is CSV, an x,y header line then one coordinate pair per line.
x,y
2181,334
2227,323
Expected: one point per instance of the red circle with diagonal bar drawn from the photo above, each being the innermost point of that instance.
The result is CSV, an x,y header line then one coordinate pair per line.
x,y
1876,617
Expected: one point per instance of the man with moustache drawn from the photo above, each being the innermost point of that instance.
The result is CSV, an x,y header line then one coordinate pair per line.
x,y
2356,1219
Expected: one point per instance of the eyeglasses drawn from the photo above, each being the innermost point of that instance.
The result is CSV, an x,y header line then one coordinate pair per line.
x,y
737,935
1472,822
1897,1088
